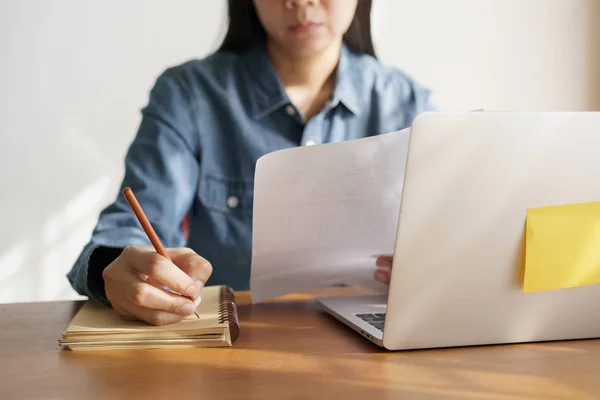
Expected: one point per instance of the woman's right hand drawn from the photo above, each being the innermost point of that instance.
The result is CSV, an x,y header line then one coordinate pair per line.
x,y
135,281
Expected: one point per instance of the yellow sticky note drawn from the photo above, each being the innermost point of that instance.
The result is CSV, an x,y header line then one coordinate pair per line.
x,y
562,247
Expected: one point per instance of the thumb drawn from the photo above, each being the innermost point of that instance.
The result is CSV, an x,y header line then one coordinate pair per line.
x,y
197,267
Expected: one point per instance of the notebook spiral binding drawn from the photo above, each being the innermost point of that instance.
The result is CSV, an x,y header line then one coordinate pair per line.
x,y
228,312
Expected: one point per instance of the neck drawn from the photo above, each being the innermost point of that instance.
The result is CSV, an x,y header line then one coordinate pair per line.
x,y
307,80
310,71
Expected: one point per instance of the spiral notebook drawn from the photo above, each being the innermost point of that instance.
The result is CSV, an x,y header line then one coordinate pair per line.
x,y
98,327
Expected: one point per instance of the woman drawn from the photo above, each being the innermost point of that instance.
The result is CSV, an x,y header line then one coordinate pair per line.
x,y
288,73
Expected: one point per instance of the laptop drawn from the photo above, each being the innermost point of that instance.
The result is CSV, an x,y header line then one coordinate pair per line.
x,y
457,270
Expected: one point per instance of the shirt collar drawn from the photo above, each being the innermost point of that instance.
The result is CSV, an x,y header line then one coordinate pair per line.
x,y
347,87
267,93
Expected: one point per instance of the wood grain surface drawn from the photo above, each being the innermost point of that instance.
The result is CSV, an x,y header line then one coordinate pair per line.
x,y
287,349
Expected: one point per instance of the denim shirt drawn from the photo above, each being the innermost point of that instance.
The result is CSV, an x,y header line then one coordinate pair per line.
x,y
205,125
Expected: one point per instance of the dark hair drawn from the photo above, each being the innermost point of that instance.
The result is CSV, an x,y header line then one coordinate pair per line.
x,y
245,28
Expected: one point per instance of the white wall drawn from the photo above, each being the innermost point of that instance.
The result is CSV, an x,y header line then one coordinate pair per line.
x,y
530,55
74,75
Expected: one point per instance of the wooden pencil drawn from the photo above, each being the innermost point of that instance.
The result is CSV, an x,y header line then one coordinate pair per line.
x,y
141,216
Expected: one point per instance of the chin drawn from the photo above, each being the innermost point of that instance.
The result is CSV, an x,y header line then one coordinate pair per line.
x,y
309,47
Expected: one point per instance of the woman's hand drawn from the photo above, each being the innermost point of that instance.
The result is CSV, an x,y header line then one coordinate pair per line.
x,y
135,281
384,269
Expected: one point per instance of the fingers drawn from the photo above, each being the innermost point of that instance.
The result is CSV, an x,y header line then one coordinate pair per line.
x,y
153,317
147,296
135,299
198,268
384,262
383,276
158,268
383,273
135,284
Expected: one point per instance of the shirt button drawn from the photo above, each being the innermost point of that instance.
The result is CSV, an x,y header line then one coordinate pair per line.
x,y
310,142
333,102
233,201
290,110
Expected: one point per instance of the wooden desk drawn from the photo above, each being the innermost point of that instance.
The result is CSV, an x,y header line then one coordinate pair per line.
x,y
289,350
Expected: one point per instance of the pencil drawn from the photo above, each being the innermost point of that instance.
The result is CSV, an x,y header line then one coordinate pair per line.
x,y
141,216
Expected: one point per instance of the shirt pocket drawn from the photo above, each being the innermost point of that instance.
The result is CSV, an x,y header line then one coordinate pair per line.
x,y
226,195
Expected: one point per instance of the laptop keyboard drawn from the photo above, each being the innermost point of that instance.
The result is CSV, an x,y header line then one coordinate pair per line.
x,y
376,320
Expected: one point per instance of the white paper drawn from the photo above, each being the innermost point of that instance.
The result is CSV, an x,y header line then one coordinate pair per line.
x,y
322,214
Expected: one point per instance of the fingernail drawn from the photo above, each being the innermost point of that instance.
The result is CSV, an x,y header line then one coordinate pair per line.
x,y
198,301
188,308
199,284
192,291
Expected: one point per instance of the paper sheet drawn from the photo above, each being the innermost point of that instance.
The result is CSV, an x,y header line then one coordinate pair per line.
x,y
322,214
562,247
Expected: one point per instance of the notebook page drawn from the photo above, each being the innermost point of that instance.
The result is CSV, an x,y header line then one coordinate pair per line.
x,y
94,317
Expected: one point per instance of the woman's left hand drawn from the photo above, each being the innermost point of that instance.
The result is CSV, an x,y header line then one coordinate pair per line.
x,y
384,269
